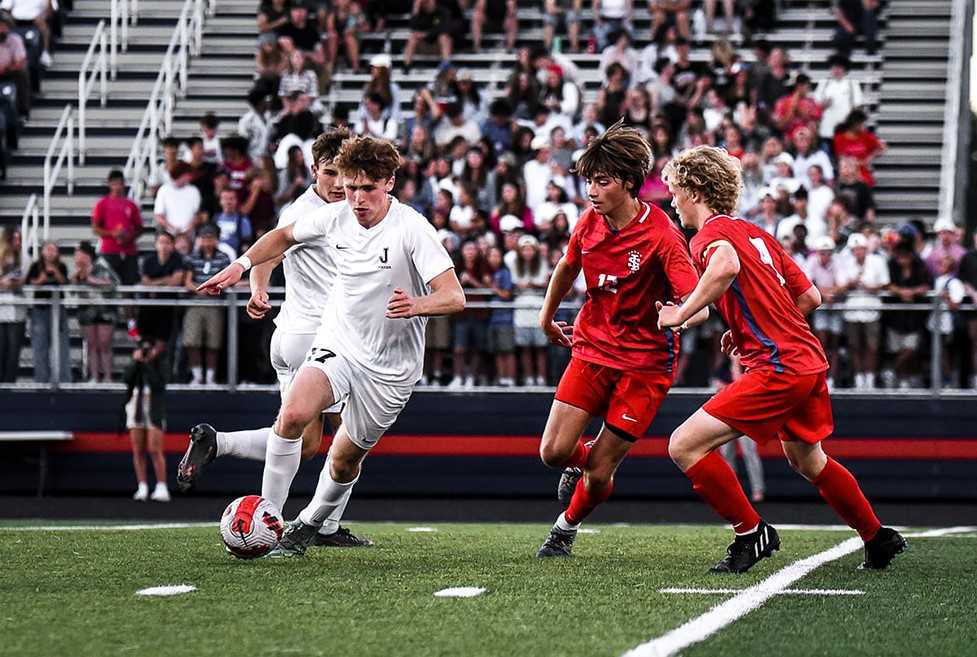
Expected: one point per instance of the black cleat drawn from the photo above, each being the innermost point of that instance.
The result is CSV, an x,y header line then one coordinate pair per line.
x,y
558,544
201,451
296,538
568,483
745,551
342,537
882,549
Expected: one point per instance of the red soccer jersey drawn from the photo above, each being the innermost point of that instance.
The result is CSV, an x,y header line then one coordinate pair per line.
x,y
626,272
760,306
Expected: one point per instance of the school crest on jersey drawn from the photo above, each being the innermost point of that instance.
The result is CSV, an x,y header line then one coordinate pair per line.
x,y
634,260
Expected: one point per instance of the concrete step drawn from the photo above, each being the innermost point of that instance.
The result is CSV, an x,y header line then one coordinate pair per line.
x,y
895,179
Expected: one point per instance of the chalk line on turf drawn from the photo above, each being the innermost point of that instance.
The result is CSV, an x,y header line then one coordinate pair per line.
x,y
784,592
944,531
108,528
167,590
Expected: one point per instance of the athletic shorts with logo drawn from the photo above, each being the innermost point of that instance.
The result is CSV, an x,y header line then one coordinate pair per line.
x,y
288,352
627,400
371,406
765,405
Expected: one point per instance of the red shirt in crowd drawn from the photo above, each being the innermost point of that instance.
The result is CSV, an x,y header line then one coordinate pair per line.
x,y
861,147
112,213
626,272
760,306
807,114
237,173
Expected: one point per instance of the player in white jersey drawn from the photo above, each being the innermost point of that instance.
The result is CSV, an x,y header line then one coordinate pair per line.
x,y
368,352
309,274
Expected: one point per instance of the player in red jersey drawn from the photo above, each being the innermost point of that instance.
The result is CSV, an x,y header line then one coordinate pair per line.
x,y
621,368
764,297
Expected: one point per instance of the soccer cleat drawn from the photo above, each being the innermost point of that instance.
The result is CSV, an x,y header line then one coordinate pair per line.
x,y
201,451
558,544
568,483
882,549
745,551
342,537
295,540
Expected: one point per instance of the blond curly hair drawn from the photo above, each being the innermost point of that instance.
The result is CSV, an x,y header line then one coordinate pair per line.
x,y
710,175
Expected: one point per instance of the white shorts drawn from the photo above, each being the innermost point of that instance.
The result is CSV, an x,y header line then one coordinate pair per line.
x,y
288,351
371,406
825,320
142,418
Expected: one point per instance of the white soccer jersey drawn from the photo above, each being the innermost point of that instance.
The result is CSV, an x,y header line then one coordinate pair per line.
x,y
402,251
310,270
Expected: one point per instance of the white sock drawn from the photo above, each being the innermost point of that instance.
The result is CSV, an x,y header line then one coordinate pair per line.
x,y
328,497
247,444
749,531
282,458
197,374
211,377
562,524
331,525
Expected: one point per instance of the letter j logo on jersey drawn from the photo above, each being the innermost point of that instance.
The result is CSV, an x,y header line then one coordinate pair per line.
x,y
384,257
634,261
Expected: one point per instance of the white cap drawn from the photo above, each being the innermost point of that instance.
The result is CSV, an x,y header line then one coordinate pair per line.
x,y
559,181
857,241
509,223
784,158
944,224
527,240
381,61
824,243
445,234
539,142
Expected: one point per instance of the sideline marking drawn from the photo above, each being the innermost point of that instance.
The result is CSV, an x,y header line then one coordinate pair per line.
x,y
109,528
421,530
945,531
172,589
784,592
460,592
741,604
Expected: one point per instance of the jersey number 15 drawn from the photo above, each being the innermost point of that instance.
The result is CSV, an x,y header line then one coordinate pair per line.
x,y
607,282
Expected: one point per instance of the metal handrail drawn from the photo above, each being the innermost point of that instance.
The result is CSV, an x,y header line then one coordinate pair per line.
x,y
86,80
171,82
29,244
59,150
120,16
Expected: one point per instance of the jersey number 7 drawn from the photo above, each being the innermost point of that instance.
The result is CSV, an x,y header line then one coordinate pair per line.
x,y
320,355
765,258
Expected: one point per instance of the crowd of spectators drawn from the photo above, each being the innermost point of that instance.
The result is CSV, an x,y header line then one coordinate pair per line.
x,y
494,174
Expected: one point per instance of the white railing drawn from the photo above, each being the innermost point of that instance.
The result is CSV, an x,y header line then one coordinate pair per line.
x,y
59,151
951,115
157,120
121,14
93,67
29,228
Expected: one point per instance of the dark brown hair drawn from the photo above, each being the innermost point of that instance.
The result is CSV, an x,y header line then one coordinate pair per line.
x,y
621,153
377,159
326,145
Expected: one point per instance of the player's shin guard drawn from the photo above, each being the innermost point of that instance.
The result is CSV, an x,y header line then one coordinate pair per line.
x,y
282,459
585,499
329,495
580,456
332,522
840,490
715,481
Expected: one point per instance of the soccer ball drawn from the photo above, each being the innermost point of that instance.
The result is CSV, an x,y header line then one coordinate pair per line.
x,y
251,527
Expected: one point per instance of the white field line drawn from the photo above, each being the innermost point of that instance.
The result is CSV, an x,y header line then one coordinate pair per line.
x,y
108,528
784,592
945,531
741,604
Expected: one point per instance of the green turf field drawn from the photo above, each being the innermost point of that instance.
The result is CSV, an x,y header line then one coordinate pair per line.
x,y
73,593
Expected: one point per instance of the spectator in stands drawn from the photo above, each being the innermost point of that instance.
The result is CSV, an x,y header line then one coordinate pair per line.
x,y
97,322
538,171
171,155
857,17
530,275
841,222
259,206
783,178
202,175
852,189
145,380
48,271
177,208
237,165
37,14
203,326
346,18
471,325
11,316
950,291
269,63
431,21
563,15
909,282
301,33
968,275
729,12
165,267
801,217
667,14
838,95
773,83
381,84
824,269
254,124
294,179
501,335
374,121
768,218
620,52
807,155
210,140
117,221
863,276
296,118
298,77
13,69
495,16
853,139
234,227
272,15
456,125
819,195
947,245
798,109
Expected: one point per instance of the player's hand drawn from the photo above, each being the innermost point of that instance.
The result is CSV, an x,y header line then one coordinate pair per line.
x,y
258,305
558,333
225,278
669,316
401,306
727,346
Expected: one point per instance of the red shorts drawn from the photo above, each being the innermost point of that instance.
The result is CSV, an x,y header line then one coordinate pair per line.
x,y
765,405
628,401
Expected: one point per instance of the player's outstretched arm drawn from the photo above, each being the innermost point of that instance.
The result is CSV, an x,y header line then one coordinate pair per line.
x,y
720,273
258,305
560,283
446,298
271,245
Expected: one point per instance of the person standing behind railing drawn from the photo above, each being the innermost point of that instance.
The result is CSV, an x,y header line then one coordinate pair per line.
x,y
145,412
968,274
97,322
48,271
11,315
203,326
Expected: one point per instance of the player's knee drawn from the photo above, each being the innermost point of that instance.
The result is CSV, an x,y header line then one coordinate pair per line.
x,y
599,478
343,469
678,447
292,420
551,455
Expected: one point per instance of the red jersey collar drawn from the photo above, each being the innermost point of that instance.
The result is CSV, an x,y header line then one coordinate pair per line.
x,y
644,211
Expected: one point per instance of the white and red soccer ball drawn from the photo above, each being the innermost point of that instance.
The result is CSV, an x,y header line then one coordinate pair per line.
x,y
251,527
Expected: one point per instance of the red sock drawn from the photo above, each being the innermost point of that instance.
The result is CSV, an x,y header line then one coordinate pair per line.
x,y
715,481
840,490
585,500
580,456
